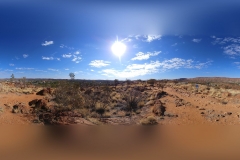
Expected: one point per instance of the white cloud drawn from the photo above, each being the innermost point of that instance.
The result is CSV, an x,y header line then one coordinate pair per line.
x,y
47,58
77,52
142,56
99,63
135,70
67,55
225,40
8,70
58,59
37,70
197,40
174,44
237,64
230,46
150,38
24,68
25,55
64,46
232,50
11,64
145,38
76,59
47,43
66,69
92,70
51,69
77,72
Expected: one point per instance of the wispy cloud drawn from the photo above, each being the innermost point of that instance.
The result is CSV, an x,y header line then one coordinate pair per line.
x,y
135,70
175,44
77,52
76,59
24,68
25,55
8,70
47,58
64,46
51,69
47,43
233,49
230,46
74,55
37,70
225,40
145,38
150,38
11,64
77,72
67,55
142,56
237,64
197,40
99,63
66,69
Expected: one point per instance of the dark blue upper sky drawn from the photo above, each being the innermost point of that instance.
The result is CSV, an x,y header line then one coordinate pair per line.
x,y
164,39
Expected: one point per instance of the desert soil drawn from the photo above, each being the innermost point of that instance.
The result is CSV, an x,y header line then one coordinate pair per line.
x,y
194,108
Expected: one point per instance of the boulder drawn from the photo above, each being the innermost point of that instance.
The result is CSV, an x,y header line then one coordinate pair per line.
x,y
44,92
33,102
19,108
158,109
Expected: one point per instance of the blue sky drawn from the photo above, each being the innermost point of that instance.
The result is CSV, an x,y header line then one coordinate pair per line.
x,y
164,39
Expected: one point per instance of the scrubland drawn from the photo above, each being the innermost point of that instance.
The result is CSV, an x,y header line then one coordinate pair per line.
x,y
152,102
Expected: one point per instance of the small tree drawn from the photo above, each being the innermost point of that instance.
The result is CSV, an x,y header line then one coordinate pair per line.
x,y
72,75
128,81
116,83
24,81
132,98
151,81
12,77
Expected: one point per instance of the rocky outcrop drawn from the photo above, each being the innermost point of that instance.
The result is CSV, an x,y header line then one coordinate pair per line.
x,y
159,108
19,108
44,92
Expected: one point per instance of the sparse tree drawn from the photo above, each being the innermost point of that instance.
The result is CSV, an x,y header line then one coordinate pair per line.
x,y
128,81
24,81
151,81
12,77
116,82
72,75
132,98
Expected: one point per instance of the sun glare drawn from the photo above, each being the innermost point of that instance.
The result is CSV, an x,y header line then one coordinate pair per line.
x,y
118,48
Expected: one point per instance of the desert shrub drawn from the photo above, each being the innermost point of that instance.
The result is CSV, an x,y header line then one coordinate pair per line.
x,y
131,98
67,95
151,81
84,112
140,104
150,120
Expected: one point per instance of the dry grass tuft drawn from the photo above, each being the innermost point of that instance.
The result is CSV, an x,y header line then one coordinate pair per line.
x,y
150,120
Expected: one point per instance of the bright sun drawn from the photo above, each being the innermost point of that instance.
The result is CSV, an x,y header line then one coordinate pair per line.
x,y
118,48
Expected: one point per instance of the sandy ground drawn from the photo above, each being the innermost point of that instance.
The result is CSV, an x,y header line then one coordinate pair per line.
x,y
7,100
190,140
